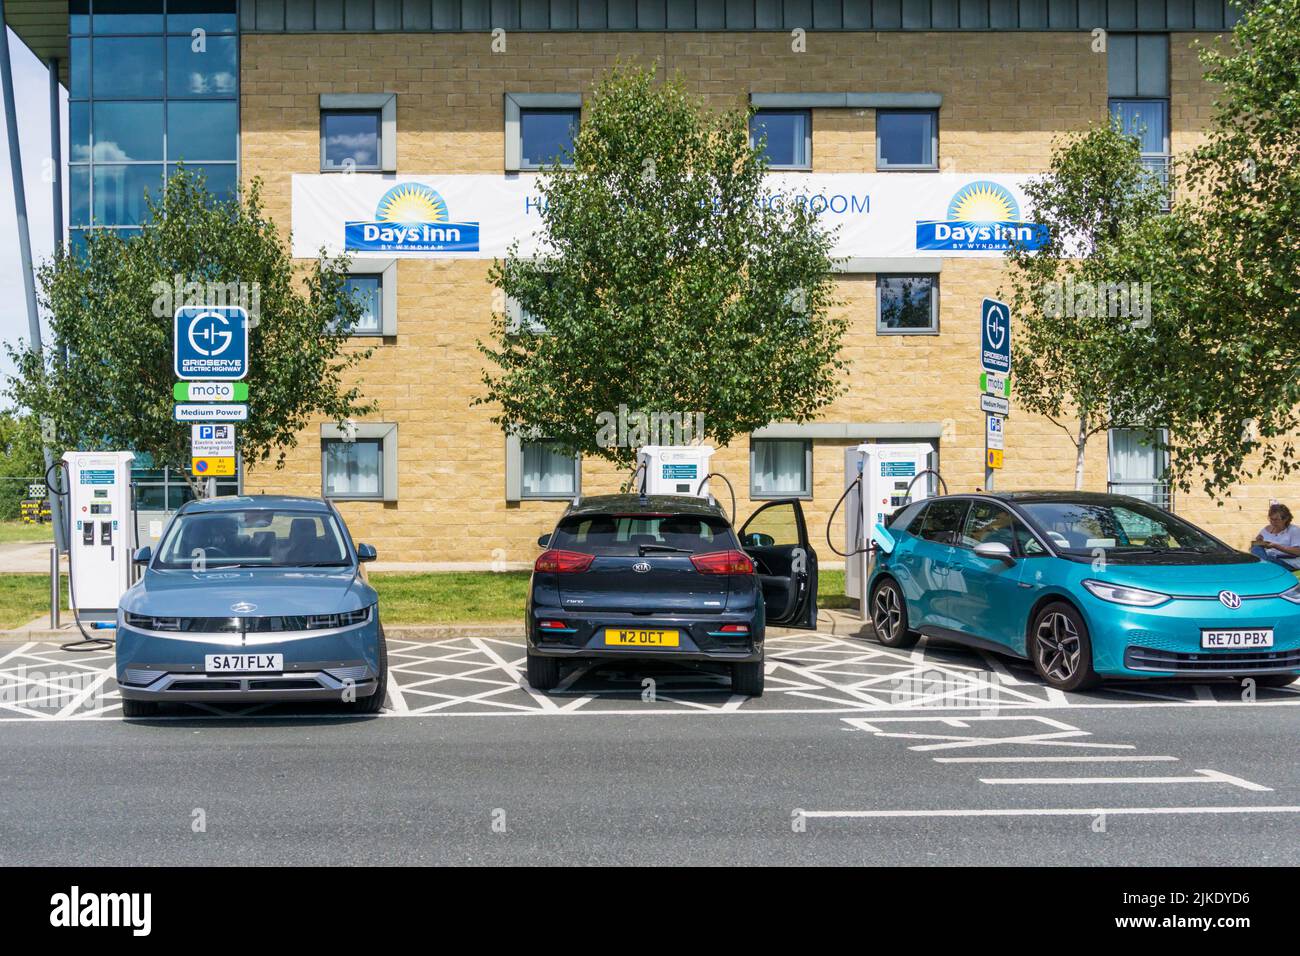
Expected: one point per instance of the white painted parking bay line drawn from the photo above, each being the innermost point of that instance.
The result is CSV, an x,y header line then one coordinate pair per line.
x,y
1099,758
1042,812
1203,776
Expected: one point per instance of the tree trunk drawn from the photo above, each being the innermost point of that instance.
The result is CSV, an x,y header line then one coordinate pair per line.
x,y
1080,446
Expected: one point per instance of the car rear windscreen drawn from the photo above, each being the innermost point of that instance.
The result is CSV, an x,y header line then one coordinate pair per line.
x,y
626,534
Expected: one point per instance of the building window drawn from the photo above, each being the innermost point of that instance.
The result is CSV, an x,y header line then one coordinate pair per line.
x,y
350,140
780,468
546,137
907,304
548,471
142,100
369,290
907,139
1147,120
1138,464
789,137
359,461
353,469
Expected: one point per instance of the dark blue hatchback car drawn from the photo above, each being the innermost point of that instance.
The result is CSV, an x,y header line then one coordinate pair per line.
x,y
645,577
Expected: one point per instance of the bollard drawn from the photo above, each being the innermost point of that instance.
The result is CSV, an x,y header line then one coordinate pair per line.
x,y
54,588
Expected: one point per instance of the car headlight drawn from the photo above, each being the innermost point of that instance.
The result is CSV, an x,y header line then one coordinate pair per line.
x,y
346,619
1291,594
1116,594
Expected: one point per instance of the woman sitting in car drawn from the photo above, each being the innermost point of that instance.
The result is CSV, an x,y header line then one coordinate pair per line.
x,y
1280,541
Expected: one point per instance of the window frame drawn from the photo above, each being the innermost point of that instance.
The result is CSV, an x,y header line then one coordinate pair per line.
x,y
884,166
807,165
382,433
514,104
933,329
386,271
378,114
524,164
526,495
805,494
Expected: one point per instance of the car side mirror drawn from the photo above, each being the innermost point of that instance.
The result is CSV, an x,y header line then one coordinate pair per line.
x,y
142,555
757,539
366,552
544,541
994,550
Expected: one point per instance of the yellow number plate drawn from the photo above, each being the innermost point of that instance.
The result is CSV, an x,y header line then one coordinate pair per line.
x,y
636,637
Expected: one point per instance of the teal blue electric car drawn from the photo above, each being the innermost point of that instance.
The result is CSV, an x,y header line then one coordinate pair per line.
x,y
1086,587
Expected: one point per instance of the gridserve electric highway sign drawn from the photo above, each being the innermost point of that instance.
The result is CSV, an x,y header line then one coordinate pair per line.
x,y
210,342
995,337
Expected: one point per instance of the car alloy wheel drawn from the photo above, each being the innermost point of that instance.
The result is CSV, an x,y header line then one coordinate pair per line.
x,y
1058,647
887,615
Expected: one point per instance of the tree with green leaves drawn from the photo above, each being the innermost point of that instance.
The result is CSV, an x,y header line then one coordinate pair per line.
x,y
668,281
104,380
1087,303
1232,399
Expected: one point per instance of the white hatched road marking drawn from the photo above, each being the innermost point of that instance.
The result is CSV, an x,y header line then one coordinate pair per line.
x,y
813,673
1201,776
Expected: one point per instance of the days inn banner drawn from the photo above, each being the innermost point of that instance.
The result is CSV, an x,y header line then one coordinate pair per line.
x,y
878,215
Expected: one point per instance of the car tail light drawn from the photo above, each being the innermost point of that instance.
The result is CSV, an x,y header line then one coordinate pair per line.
x,y
552,625
734,629
723,562
563,562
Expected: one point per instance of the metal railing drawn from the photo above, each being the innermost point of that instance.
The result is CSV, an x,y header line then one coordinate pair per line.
x,y
1158,493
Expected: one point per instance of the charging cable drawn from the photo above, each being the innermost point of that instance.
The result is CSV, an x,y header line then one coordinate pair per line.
x,y
88,642
727,481
855,483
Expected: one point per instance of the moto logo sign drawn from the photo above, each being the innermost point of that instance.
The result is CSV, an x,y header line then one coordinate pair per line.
x,y
1230,599
641,567
211,342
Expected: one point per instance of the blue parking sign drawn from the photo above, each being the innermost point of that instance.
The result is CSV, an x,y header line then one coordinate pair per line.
x,y
210,342
995,337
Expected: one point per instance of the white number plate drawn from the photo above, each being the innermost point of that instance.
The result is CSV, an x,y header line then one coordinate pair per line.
x,y
1237,638
225,663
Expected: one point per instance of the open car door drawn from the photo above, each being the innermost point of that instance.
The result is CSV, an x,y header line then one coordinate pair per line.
x,y
776,538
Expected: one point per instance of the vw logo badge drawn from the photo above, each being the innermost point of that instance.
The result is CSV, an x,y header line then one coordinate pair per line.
x,y
641,567
243,607
1230,599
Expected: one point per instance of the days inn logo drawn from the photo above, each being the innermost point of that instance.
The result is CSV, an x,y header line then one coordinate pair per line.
x,y
411,217
982,217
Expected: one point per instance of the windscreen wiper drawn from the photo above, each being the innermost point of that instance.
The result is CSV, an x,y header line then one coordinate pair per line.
x,y
318,564
665,548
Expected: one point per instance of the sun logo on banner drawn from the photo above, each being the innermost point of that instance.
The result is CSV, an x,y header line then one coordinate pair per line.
x,y
983,202
411,202
411,218
983,216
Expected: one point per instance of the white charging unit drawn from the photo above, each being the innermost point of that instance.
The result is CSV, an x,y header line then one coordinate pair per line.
x,y
675,469
889,483
100,539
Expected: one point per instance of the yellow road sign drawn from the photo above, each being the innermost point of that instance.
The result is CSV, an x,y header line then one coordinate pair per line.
x,y
213,467
995,457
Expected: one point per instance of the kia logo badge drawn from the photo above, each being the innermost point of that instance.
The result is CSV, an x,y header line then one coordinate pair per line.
x,y
641,567
243,607
1230,599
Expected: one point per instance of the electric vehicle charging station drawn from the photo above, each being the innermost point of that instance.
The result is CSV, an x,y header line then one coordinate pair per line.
x,y
889,482
101,521
675,469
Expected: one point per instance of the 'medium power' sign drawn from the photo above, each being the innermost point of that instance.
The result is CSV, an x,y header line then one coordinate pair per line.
x,y
411,217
